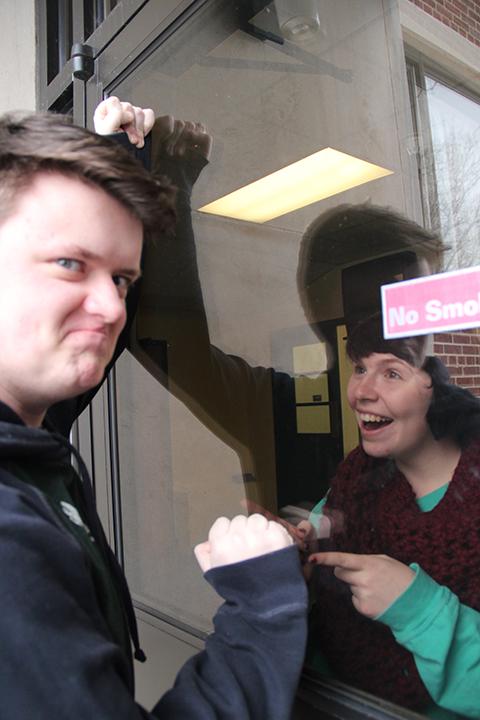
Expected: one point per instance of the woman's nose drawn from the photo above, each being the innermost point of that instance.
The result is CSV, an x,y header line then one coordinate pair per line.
x,y
366,388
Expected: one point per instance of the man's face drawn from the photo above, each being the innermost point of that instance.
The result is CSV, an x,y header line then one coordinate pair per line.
x,y
390,399
68,252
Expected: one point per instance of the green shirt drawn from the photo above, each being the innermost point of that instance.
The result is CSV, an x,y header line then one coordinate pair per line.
x,y
442,634
61,487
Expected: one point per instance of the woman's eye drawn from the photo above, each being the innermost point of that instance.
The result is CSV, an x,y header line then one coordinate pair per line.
x,y
358,370
393,375
70,264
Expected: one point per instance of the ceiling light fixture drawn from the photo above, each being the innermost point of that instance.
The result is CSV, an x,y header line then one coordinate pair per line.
x,y
315,177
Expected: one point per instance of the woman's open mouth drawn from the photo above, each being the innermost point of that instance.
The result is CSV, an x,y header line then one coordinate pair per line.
x,y
371,422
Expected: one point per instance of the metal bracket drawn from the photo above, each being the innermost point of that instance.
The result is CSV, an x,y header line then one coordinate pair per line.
x,y
82,61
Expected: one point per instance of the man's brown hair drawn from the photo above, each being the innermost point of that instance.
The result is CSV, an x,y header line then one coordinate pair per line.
x,y
46,142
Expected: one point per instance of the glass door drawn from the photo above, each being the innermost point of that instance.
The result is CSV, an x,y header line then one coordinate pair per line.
x,y
232,396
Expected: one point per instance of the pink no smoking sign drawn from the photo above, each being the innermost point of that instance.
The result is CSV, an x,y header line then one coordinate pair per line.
x,y
447,301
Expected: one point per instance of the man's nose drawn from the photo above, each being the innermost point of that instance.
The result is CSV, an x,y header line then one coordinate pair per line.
x,y
104,301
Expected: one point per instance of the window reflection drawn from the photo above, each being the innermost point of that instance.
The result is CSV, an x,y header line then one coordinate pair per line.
x,y
240,342
450,122
455,125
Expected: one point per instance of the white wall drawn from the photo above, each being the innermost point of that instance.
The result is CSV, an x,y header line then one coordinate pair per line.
x,y
17,55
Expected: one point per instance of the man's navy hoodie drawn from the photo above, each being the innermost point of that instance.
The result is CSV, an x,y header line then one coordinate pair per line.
x,y
66,614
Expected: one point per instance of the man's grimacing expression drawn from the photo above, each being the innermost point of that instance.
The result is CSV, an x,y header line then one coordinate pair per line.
x,y
68,253
390,399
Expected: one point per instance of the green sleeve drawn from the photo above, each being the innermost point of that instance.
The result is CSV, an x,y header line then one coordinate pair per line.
x,y
444,637
317,512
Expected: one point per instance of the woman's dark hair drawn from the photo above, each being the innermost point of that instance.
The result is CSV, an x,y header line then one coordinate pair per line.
x,y
454,412
367,338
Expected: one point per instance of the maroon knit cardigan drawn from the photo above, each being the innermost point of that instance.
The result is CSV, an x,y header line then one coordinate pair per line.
x,y
380,516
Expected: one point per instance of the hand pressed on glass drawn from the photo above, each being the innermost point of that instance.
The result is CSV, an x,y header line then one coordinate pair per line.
x,y
114,115
177,137
231,541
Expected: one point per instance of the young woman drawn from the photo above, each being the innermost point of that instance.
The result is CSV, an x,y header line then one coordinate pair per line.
x,y
397,588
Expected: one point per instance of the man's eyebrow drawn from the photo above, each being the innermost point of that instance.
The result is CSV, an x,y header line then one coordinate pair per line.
x,y
131,273
80,251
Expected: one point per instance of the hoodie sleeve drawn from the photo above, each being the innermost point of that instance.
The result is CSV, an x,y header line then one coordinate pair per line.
x,y
62,661
251,664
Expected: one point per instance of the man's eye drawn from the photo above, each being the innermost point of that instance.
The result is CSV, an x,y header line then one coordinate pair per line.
x,y
70,264
122,282
358,369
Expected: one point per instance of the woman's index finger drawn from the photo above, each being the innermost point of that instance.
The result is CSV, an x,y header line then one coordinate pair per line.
x,y
348,561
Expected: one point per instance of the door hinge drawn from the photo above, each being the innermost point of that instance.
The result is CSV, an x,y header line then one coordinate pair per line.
x,y
82,61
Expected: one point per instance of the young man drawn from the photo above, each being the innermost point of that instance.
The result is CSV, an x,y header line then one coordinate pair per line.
x,y
73,211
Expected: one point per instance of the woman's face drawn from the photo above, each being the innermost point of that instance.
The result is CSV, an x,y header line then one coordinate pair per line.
x,y
390,399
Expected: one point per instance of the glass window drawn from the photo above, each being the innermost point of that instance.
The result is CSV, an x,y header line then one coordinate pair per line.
x,y
95,12
239,394
59,35
450,126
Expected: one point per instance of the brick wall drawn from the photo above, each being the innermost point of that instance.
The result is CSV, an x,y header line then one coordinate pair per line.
x,y
463,16
460,351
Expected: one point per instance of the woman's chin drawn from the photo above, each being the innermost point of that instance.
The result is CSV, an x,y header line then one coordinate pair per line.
x,y
375,450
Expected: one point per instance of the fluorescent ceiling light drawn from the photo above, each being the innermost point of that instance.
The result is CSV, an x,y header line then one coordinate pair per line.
x,y
318,176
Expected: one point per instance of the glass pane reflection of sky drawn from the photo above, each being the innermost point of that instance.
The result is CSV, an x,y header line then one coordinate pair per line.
x,y
455,127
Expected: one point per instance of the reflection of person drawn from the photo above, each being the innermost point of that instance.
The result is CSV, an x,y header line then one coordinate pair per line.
x,y
399,616
252,409
73,210
395,248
